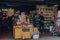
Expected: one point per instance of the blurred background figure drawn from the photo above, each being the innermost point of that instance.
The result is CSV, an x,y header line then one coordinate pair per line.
x,y
4,22
23,16
51,28
16,17
35,20
0,20
31,17
41,22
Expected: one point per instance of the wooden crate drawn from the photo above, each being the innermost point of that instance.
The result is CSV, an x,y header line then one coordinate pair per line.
x,y
17,32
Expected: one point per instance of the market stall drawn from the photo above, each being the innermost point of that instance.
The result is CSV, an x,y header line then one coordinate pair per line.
x,y
24,30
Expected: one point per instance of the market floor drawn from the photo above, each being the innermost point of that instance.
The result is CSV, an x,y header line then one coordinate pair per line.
x,y
9,36
49,38
41,38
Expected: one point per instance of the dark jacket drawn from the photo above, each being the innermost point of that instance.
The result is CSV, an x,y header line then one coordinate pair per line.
x,y
41,20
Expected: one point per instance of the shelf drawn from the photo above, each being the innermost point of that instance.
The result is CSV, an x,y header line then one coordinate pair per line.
x,y
46,23
47,16
46,20
48,13
58,17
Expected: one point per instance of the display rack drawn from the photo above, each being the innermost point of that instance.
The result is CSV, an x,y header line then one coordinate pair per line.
x,y
58,20
48,14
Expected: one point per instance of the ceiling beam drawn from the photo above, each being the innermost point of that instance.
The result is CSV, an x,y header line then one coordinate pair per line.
x,y
19,2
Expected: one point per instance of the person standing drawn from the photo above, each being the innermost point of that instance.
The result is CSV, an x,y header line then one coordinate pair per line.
x,y
16,17
41,22
0,21
51,28
31,17
35,20
4,22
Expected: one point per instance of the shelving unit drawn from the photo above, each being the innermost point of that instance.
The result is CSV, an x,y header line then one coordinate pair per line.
x,y
48,13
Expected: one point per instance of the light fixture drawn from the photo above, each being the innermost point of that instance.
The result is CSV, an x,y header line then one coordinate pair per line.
x,y
56,5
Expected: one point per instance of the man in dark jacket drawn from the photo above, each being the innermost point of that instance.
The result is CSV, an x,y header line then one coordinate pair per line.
x,y
41,22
